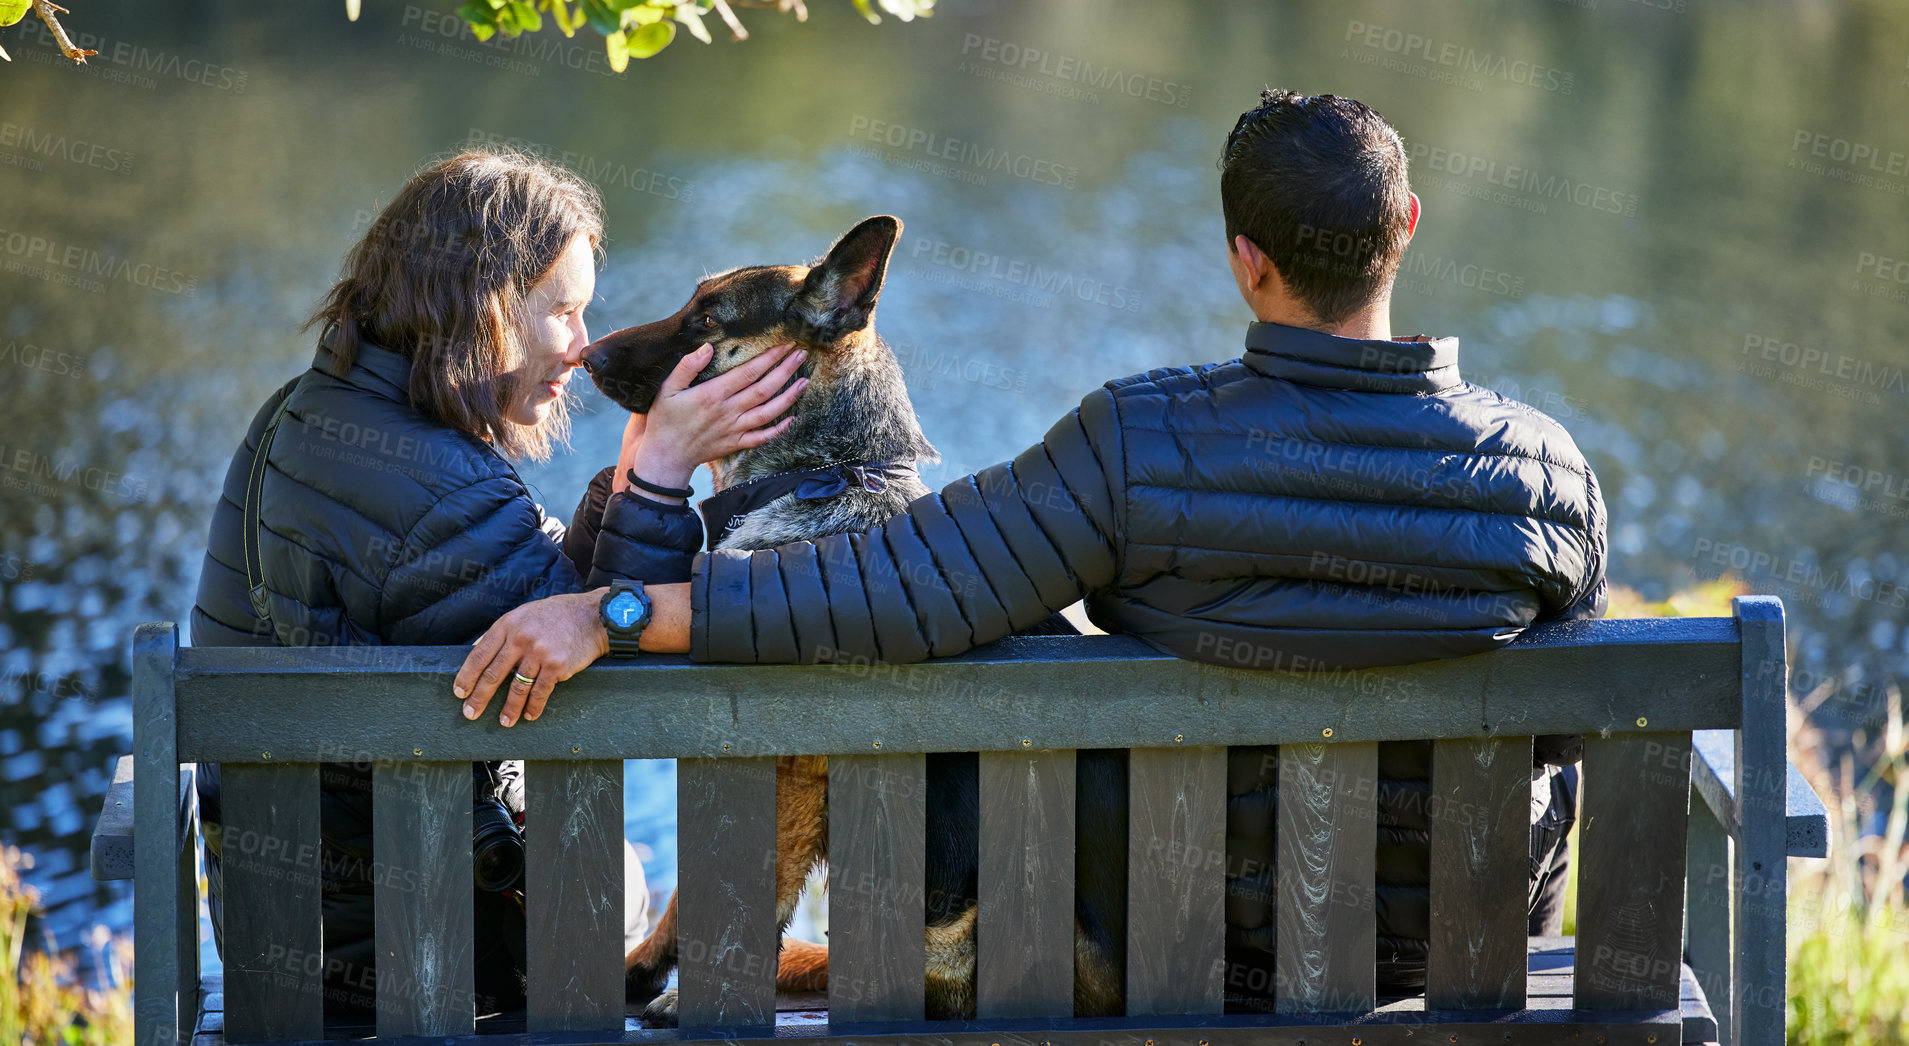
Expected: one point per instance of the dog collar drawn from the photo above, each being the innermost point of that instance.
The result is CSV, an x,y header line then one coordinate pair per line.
x,y
724,510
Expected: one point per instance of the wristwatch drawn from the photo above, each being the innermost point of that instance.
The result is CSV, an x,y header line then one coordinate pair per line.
x,y
625,611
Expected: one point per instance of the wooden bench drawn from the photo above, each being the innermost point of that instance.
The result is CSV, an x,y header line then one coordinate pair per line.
x,y
1687,805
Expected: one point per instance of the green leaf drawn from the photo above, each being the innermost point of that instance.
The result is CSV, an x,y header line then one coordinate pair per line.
x,y
527,17
652,38
601,16
689,16
641,14
12,11
619,49
567,20
482,32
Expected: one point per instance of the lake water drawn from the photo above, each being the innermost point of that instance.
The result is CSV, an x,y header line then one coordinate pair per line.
x,y
1678,226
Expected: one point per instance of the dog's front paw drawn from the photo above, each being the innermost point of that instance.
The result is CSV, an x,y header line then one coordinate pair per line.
x,y
661,1012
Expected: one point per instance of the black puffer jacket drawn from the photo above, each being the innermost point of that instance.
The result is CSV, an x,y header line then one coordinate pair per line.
x,y
379,525
1321,502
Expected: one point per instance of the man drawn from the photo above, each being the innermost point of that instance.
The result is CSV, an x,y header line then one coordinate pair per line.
x,y
1334,498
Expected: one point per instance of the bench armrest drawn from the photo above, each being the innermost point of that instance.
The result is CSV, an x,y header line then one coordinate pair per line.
x,y
113,833
1713,774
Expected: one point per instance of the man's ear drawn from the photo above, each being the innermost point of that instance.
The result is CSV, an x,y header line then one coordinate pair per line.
x,y
1411,225
1252,259
838,296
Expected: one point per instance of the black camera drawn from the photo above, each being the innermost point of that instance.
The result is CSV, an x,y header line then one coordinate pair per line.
x,y
497,844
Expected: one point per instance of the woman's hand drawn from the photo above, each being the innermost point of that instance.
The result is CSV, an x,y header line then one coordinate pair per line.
x,y
544,642
552,639
691,424
626,459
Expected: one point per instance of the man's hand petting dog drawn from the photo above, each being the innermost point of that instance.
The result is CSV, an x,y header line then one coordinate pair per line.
x,y
690,424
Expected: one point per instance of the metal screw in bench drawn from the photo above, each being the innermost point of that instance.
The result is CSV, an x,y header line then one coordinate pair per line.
x,y
1028,742
574,749
417,751
265,755
1641,721
1177,738
1327,732
878,745
725,746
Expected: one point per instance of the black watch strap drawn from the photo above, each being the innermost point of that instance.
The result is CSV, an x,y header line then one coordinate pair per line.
x,y
623,638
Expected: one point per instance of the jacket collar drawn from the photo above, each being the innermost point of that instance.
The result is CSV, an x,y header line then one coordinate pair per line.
x,y
1416,366
375,369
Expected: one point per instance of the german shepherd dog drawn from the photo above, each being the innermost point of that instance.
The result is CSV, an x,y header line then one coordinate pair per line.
x,y
846,464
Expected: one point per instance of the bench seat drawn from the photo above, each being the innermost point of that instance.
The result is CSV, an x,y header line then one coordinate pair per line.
x,y
805,1016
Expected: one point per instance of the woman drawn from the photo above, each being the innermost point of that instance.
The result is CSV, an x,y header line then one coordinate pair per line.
x,y
373,500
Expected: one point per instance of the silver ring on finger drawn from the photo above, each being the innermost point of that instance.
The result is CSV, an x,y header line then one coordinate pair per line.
x,y
523,679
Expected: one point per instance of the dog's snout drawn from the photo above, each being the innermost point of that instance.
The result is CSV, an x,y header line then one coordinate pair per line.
x,y
592,362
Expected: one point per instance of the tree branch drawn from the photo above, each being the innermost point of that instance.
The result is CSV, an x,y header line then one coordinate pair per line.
x,y
47,9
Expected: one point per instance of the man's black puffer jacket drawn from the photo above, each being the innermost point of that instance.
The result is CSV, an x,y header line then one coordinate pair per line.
x,y
379,525
1321,502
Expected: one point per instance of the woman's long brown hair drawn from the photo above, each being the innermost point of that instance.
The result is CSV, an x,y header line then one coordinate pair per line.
x,y
442,270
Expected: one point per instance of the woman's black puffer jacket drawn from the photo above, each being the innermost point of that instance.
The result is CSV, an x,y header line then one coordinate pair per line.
x,y
1322,502
379,525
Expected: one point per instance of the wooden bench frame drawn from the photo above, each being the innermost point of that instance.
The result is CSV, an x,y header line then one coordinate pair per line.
x,y
1659,830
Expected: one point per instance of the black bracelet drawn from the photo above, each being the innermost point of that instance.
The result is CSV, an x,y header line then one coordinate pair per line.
x,y
661,491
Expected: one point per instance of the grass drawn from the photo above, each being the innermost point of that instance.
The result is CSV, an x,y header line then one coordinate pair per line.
x,y
43,1001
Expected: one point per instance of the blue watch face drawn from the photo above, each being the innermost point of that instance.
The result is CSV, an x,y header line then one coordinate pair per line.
x,y
624,609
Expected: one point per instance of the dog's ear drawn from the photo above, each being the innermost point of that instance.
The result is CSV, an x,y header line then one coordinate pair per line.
x,y
839,294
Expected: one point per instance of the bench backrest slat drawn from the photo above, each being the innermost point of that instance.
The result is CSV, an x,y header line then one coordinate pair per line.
x,y
273,938
725,894
1632,828
573,895
878,831
1479,873
1095,692
1176,880
1327,831
422,898
1024,944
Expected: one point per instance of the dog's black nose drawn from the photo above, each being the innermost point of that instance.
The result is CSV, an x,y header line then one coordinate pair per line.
x,y
591,361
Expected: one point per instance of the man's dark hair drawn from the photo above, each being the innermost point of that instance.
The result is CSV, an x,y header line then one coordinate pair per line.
x,y
1318,183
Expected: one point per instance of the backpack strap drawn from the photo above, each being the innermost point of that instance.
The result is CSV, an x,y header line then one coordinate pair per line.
x,y
254,487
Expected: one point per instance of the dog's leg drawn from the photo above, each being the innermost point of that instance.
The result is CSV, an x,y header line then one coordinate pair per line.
x,y
646,968
803,966
802,841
